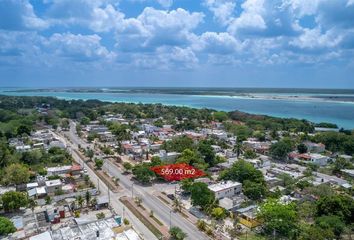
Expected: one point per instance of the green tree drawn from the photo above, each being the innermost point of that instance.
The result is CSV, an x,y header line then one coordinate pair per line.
x,y
17,174
121,131
178,144
311,232
220,116
23,129
155,161
340,164
80,201
89,153
127,166
254,190
186,185
285,179
6,226
278,218
281,149
201,195
334,223
98,163
242,171
202,225
249,154
143,173
177,204
205,149
177,233
301,148
189,156
87,198
337,205
12,201
218,213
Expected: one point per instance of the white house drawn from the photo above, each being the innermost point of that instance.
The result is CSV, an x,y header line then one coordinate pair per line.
x,y
319,159
53,186
226,189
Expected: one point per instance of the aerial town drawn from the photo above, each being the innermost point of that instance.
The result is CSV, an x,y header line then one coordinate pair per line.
x,y
82,170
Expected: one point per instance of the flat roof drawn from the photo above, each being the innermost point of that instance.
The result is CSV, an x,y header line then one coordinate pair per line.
x,y
55,182
42,236
223,185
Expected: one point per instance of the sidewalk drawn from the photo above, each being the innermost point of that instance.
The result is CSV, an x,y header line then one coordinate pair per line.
x,y
159,230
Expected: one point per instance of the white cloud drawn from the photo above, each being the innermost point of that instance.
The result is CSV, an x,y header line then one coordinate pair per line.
x,y
314,39
223,10
80,48
105,19
217,43
154,28
167,58
165,3
303,7
251,18
19,15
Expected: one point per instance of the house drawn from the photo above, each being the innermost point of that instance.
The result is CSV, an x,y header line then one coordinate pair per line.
x,y
165,156
57,143
102,202
319,159
226,189
53,185
257,146
106,136
53,171
248,216
231,204
349,172
23,148
315,147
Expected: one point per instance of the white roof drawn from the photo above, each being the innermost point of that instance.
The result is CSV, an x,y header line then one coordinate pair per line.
x,y
55,182
32,185
223,185
59,169
41,190
130,234
42,236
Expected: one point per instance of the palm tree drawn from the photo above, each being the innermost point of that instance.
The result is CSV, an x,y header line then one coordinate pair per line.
x,y
87,197
80,201
237,149
93,201
177,205
201,224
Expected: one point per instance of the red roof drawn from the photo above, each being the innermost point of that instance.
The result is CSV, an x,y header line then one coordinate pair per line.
x,y
75,168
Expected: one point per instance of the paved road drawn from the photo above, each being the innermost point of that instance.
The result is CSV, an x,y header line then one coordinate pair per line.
x,y
161,211
114,197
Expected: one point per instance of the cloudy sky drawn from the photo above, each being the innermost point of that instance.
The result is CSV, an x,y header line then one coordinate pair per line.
x,y
208,43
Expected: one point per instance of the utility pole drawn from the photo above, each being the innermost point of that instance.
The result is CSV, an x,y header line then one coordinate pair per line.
x,y
132,189
170,218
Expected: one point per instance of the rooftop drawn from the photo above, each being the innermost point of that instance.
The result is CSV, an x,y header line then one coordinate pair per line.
x,y
223,185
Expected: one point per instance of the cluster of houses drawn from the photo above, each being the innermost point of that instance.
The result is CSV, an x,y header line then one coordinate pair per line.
x,y
41,139
66,181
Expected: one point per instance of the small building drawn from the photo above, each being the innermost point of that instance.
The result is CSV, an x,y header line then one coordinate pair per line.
x,y
315,147
226,189
102,202
248,216
319,159
53,171
53,185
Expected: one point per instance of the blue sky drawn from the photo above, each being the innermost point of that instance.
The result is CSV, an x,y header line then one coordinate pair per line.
x,y
206,43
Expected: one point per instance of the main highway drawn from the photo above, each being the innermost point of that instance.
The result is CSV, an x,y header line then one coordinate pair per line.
x,y
161,211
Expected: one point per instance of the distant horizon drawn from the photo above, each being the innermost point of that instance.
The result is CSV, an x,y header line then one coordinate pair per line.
x,y
174,87
175,43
